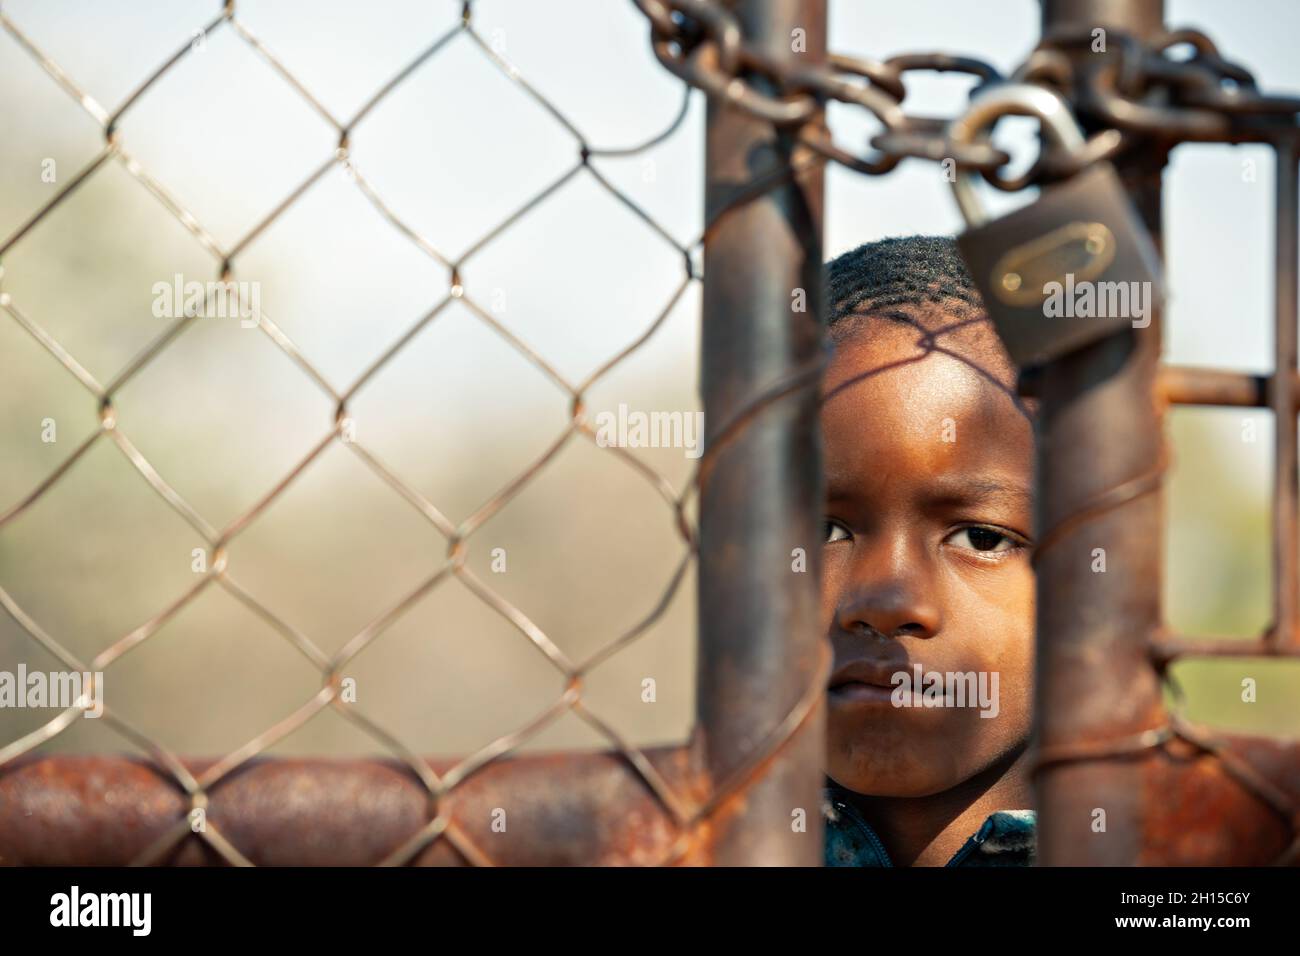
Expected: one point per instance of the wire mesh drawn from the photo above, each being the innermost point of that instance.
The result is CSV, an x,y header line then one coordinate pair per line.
x,y
686,810
1214,115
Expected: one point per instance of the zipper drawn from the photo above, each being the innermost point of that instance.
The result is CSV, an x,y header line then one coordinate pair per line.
x,y
866,830
965,851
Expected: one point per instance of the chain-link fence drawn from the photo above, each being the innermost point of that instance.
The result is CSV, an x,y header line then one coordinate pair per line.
x,y
677,799
1104,738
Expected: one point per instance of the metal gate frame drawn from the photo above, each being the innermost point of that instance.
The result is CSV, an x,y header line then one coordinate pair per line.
x,y
1173,794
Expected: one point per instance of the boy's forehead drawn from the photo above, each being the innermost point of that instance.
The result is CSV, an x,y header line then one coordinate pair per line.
x,y
908,390
891,406
878,346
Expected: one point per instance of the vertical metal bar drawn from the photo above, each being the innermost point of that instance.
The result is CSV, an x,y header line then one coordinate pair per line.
x,y
1099,431
1282,396
759,637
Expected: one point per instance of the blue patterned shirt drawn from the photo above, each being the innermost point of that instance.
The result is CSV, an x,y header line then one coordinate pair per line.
x,y
1006,838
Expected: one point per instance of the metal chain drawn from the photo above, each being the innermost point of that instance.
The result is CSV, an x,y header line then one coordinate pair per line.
x,y
1135,89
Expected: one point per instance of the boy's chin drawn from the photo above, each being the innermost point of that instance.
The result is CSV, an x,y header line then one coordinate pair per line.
x,y
896,780
897,788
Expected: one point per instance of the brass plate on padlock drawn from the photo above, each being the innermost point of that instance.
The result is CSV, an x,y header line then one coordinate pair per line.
x,y
1061,312
1083,249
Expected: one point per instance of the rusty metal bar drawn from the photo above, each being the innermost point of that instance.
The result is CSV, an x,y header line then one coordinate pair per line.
x,y
1166,649
1143,18
561,810
1208,386
1231,810
1188,385
1100,461
1282,397
566,809
759,642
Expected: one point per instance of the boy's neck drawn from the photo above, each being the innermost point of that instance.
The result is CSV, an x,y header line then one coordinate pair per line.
x,y
927,831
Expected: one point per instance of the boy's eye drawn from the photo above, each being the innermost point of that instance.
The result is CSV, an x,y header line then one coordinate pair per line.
x,y
983,539
835,532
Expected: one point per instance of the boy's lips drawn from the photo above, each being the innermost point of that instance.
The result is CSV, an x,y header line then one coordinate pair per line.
x,y
867,672
865,681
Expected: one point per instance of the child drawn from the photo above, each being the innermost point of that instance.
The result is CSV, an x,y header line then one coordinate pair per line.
x,y
928,594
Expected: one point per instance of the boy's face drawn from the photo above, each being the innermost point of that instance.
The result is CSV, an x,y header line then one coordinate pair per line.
x,y
929,471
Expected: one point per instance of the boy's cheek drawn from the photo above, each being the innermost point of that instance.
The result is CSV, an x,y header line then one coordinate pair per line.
x,y
827,615
830,596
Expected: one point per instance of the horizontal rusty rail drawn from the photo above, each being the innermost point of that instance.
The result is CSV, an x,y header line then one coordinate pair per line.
x,y
1189,385
1180,385
1225,800
565,809
559,810
1167,648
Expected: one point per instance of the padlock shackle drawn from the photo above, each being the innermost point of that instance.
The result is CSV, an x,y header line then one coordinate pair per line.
x,y
1009,99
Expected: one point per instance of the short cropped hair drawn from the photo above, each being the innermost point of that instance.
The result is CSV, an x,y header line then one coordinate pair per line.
x,y
907,270
920,281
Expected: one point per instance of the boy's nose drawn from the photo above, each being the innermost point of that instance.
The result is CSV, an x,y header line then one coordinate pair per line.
x,y
889,610
891,594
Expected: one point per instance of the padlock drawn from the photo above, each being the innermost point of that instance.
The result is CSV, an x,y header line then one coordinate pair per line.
x,y
1070,268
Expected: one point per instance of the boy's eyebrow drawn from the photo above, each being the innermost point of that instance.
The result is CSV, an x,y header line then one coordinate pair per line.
x,y
954,491
989,491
